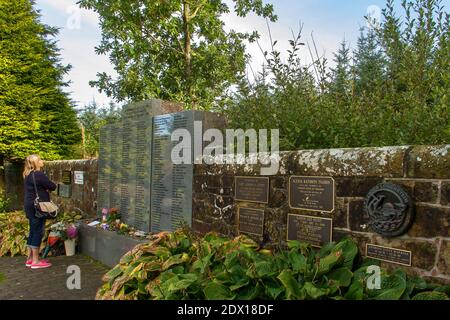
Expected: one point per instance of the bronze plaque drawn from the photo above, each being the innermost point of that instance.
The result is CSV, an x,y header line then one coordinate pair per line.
x,y
251,189
390,210
315,230
64,190
67,177
312,193
251,221
387,254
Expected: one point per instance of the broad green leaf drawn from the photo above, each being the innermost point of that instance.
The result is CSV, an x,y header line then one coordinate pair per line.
x,y
342,275
392,288
265,268
430,295
298,262
327,263
217,291
355,291
349,251
293,291
314,292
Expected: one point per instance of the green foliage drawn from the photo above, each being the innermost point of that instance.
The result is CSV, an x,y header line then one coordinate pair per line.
x,y
174,50
181,265
392,90
92,118
4,204
36,116
14,229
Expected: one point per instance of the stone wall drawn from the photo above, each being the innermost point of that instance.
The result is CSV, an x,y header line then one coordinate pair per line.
x,y
12,188
423,171
83,196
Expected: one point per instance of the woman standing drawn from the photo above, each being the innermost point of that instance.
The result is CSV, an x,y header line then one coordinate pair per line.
x,y
33,166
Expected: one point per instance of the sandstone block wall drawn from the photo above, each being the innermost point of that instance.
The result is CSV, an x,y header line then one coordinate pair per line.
x,y
423,171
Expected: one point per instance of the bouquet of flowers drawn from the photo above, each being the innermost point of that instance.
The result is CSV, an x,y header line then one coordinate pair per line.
x,y
65,231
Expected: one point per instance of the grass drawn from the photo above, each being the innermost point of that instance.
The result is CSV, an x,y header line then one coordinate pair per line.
x,y
2,277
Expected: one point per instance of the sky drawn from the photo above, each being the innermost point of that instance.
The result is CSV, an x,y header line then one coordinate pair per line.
x,y
328,21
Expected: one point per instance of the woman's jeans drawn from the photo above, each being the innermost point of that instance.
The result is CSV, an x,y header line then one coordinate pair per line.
x,y
37,229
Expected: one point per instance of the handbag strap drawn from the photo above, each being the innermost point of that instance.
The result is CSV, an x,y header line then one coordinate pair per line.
x,y
35,187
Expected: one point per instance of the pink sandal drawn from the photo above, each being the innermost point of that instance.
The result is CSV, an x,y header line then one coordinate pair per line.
x,y
30,262
41,265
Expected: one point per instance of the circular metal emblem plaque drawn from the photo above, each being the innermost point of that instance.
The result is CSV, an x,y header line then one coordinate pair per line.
x,y
390,210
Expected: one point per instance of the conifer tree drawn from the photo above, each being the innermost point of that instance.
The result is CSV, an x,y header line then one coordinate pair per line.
x,y
36,116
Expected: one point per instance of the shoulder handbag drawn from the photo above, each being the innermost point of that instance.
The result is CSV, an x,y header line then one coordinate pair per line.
x,y
44,209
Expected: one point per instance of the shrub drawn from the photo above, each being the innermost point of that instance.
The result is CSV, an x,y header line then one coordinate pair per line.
x,y
13,232
14,229
4,204
179,265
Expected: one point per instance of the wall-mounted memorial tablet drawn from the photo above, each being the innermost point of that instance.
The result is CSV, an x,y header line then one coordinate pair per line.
x,y
315,230
312,193
387,254
251,221
251,189
64,190
78,177
390,210
67,177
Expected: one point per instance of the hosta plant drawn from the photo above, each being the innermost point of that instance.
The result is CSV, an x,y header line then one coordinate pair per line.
x,y
13,232
180,265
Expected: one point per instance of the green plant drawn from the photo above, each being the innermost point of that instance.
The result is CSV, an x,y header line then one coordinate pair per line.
x,y
181,265
391,90
13,232
4,204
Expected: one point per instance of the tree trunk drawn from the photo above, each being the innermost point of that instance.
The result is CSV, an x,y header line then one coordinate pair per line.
x,y
187,48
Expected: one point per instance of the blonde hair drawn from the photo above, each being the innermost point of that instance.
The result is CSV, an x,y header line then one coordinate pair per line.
x,y
31,163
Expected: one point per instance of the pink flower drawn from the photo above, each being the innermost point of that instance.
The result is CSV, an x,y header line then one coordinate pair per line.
x,y
72,232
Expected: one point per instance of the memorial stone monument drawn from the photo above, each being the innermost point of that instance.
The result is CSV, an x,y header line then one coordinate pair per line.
x,y
136,173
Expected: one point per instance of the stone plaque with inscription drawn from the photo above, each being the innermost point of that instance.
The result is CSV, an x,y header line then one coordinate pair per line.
x,y
125,163
312,193
315,230
252,189
171,197
171,187
64,190
251,221
67,177
104,169
387,254
115,176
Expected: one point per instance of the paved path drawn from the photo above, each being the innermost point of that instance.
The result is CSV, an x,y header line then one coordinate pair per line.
x,y
21,283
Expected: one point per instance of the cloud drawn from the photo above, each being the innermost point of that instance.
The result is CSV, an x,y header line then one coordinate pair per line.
x,y
69,8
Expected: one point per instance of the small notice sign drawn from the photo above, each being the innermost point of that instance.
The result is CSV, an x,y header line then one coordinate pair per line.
x,y
387,254
315,230
78,177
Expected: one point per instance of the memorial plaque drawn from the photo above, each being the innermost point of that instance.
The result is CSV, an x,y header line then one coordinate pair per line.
x,y
104,169
251,221
390,210
251,189
171,189
315,230
67,177
78,177
143,170
64,190
115,175
312,193
387,254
